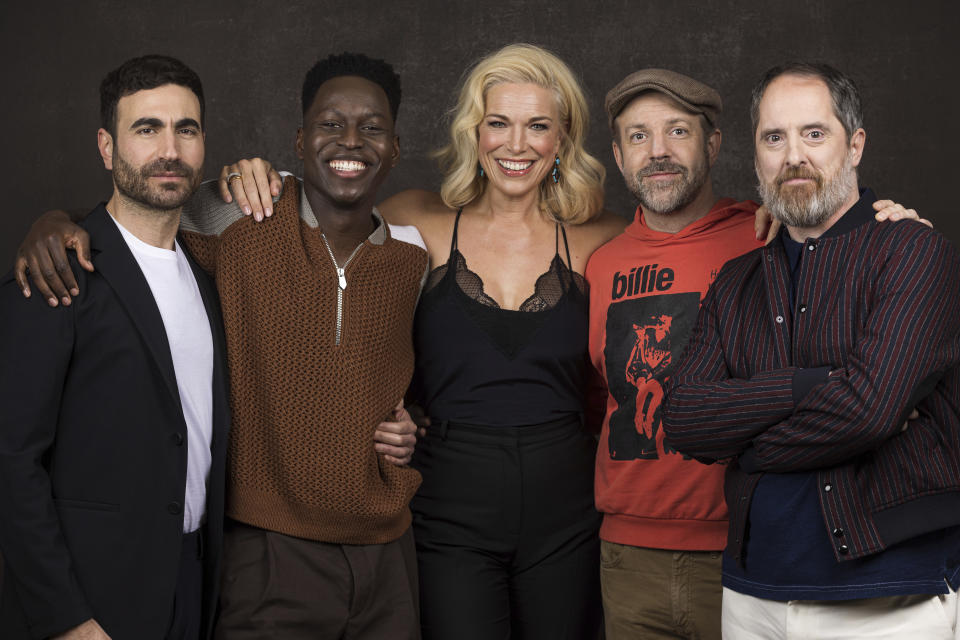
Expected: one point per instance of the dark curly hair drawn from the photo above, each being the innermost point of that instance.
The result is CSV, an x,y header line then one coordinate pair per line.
x,y
352,64
138,74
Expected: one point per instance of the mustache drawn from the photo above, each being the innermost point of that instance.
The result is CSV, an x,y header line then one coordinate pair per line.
x,y
795,173
662,166
174,167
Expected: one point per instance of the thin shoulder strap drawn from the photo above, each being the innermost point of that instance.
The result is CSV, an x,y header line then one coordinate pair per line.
x,y
456,224
566,245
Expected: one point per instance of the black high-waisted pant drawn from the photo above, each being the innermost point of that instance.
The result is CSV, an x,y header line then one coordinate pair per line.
x,y
506,532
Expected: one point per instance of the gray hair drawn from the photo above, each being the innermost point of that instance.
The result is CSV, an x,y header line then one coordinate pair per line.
x,y
843,92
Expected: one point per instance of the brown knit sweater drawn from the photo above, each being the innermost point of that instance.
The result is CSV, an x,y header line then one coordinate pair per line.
x,y
301,456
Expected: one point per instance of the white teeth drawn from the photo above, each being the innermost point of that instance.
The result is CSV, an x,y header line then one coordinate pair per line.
x,y
347,165
515,166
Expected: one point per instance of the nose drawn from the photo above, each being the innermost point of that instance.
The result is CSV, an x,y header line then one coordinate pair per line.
x,y
169,144
794,148
350,137
517,141
658,146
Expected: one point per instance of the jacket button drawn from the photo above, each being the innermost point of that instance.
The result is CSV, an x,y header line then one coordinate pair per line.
x,y
838,532
843,549
811,247
803,308
175,508
828,487
176,438
779,319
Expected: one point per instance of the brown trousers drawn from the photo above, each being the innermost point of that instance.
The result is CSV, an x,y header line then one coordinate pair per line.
x,y
656,593
278,586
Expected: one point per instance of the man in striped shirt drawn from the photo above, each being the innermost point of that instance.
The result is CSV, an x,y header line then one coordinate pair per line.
x,y
825,368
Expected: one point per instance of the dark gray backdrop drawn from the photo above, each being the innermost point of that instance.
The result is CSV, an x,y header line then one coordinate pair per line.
x,y
252,57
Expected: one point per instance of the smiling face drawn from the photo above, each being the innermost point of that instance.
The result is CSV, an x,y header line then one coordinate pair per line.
x,y
347,141
519,137
157,153
663,152
805,160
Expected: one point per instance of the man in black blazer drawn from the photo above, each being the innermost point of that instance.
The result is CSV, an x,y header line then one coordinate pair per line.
x,y
115,414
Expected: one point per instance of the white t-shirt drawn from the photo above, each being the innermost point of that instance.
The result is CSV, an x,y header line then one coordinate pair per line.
x,y
185,320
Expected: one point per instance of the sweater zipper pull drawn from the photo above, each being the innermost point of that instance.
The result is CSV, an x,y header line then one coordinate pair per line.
x,y
341,278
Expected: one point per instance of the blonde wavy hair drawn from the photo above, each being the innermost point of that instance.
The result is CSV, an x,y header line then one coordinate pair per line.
x,y
579,194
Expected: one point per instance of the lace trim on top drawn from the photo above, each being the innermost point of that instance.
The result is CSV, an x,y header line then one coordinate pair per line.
x,y
547,291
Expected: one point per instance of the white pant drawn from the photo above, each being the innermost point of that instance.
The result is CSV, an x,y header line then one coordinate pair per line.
x,y
892,618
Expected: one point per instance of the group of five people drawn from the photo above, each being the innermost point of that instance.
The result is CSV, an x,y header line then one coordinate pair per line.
x,y
822,371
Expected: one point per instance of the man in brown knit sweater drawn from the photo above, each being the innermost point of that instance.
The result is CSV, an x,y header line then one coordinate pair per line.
x,y
318,306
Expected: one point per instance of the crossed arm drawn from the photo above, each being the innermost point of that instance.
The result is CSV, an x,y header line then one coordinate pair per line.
x,y
911,338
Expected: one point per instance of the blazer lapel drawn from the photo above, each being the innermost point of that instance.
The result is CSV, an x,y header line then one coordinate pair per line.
x,y
115,262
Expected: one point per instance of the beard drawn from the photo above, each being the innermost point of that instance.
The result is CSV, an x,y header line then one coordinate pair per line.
x,y
134,182
807,206
668,198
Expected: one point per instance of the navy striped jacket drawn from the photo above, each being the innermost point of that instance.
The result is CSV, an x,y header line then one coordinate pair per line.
x,y
878,307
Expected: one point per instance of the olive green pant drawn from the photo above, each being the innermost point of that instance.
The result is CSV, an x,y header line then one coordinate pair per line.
x,y
657,593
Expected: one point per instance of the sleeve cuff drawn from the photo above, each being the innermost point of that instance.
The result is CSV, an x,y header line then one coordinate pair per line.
x,y
804,380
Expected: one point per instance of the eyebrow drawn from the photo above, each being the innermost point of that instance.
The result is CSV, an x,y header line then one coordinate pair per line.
x,y
157,123
149,122
503,117
669,123
810,125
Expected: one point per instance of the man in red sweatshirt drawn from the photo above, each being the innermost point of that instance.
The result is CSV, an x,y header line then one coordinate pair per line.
x,y
664,517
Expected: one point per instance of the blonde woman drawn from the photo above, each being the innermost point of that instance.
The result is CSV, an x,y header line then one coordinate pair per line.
x,y
504,521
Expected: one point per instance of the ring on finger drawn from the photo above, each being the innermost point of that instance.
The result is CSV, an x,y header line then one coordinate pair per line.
x,y
233,175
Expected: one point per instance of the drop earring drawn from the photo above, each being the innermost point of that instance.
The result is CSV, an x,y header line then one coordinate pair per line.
x,y
556,170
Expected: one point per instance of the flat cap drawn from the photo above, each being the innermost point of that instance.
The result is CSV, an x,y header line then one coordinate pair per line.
x,y
691,94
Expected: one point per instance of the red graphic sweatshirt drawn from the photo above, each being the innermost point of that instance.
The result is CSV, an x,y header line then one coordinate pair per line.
x,y
645,291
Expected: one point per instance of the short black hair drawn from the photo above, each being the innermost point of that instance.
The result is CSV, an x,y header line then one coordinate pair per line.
x,y
352,64
139,74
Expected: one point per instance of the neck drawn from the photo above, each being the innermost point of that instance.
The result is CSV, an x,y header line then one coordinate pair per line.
x,y
510,209
156,227
344,227
800,234
674,221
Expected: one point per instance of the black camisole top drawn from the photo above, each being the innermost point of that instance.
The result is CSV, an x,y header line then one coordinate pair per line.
x,y
479,364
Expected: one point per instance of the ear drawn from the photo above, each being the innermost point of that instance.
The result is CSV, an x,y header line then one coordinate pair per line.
x,y
713,145
857,142
617,156
395,157
105,145
299,143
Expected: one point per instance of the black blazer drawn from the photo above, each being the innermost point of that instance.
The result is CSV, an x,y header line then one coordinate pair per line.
x,y
93,453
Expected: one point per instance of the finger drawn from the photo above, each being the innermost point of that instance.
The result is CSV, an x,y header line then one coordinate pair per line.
x,y
260,169
880,205
239,193
38,281
59,256
80,241
904,427
926,222
892,212
395,439
913,415
422,432
276,182
400,462
760,223
224,184
250,188
773,231
49,270
20,273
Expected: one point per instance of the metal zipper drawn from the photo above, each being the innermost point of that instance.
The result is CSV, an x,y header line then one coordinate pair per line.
x,y
341,283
